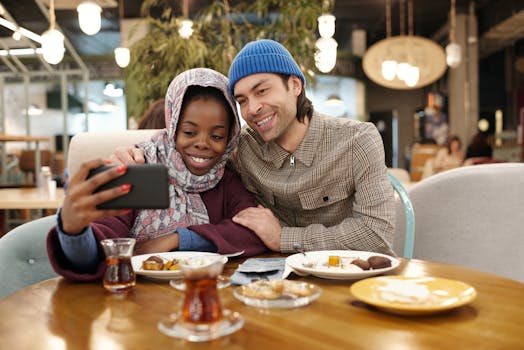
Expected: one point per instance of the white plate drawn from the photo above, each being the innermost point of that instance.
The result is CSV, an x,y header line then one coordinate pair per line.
x,y
320,258
137,260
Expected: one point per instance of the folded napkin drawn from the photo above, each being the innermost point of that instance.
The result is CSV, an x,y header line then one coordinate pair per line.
x,y
255,269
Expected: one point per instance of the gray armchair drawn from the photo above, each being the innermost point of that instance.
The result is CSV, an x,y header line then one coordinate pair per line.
x,y
23,255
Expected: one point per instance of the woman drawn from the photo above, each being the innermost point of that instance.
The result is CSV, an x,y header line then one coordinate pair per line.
x,y
202,131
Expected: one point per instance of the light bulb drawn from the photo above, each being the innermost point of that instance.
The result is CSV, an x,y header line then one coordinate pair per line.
x,y
89,17
402,70
53,46
186,28
326,26
412,76
326,54
16,34
453,55
389,69
122,56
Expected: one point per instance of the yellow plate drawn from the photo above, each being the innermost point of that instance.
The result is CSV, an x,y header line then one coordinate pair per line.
x,y
413,295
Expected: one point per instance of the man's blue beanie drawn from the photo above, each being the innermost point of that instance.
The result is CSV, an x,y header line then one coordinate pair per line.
x,y
263,56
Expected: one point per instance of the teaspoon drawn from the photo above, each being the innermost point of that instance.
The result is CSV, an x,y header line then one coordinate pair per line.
x,y
305,262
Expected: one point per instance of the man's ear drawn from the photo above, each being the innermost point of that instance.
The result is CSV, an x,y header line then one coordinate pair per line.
x,y
295,84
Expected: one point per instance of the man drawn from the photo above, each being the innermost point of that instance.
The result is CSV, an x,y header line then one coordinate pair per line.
x,y
321,182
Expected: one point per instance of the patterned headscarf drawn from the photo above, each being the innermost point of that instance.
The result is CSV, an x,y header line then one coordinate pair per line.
x,y
186,206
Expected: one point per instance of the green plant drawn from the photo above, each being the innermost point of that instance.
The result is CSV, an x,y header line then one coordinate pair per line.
x,y
220,31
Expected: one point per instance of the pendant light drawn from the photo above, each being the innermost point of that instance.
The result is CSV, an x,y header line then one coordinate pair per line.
x,y
326,46
52,40
122,54
89,17
453,51
186,26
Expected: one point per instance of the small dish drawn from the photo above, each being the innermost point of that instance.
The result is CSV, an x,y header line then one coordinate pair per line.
x,y
175,327
137,260
179,284
320,268
285,299
413,295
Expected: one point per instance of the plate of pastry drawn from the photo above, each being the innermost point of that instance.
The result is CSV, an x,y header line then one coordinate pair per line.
x,y
413,295
164,266
277,293
341,264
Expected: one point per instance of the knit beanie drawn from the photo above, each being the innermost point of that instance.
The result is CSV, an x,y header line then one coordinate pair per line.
x,y
263,56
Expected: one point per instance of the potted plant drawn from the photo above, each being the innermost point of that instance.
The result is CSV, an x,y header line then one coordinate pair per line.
x,y
220,31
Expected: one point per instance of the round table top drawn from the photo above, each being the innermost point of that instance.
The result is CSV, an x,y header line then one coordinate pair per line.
x,y
57,314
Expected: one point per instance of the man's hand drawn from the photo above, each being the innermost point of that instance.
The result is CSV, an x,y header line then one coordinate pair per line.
x,y
262,221
127,156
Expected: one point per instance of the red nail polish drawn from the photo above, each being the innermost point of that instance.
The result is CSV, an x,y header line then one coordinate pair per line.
x,y
121,168
125,187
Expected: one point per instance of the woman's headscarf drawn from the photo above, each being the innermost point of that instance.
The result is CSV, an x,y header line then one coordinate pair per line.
x,y
186,206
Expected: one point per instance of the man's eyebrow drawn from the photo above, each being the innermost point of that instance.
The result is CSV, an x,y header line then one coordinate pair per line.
x,y
254,87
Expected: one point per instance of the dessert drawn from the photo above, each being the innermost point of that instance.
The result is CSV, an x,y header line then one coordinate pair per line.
x,y
379,262
156,263
276,288
363,264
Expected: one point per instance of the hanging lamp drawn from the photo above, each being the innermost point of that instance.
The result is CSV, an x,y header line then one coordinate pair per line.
x,y
326,46
89,17
52,40
122,53
453,50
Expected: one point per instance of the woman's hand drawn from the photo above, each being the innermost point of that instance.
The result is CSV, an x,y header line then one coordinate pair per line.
x,y
79,206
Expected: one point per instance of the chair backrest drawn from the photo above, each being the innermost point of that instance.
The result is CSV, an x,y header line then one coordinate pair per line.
x,y
473,216
90,145
404,209
23,255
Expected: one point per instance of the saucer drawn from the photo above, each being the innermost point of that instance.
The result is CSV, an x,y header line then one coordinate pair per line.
x,y
176,327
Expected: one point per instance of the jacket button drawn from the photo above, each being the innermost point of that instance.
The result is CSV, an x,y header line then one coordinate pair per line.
x,y
31,261
325,199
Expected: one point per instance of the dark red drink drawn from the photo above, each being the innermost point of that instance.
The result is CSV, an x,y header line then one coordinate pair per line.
x,y
201,303
119,276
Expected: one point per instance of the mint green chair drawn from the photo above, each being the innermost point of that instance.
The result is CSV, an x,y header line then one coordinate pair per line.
x,y
23,255
409,239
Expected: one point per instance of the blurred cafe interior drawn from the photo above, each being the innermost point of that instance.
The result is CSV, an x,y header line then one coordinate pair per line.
x,y
442,81
422,71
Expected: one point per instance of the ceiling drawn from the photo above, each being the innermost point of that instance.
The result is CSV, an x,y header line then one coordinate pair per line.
x,y
429,20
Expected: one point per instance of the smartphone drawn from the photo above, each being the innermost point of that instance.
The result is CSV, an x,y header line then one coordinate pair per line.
x,y
149,187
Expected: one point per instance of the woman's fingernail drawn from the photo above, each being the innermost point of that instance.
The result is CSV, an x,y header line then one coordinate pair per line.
x,y
121,168
107,161
125,188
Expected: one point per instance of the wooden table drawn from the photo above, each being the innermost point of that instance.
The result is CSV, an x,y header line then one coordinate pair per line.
x,y
25,198
57,315
20,138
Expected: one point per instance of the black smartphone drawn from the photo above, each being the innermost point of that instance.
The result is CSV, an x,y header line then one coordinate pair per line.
x,y
149,187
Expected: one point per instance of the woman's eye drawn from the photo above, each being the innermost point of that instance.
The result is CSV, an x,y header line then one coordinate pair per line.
x,y
217,137
189,133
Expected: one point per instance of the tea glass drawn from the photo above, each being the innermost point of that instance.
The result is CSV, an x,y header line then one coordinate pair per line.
x,y
119,277
202,317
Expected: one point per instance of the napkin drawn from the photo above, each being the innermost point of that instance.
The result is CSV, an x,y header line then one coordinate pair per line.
x,y
254,269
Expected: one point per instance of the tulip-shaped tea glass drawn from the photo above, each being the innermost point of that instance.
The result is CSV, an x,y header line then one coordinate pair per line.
x,y
119,276
202,317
